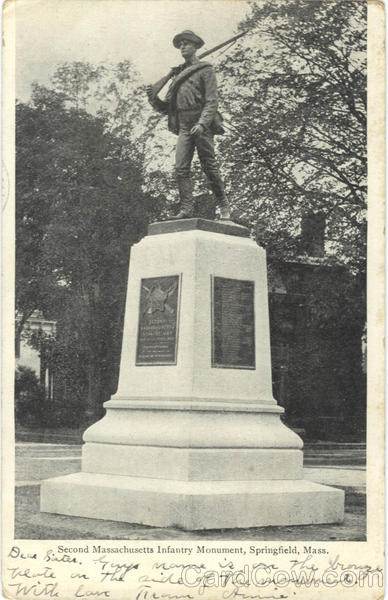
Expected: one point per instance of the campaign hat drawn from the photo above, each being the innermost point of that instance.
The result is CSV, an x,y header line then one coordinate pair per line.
x,y
190,36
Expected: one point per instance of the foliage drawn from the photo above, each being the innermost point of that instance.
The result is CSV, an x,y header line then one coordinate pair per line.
x,y
80,206
294,95
29,397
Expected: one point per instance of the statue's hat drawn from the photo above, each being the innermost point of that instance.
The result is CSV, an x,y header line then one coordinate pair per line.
x,y
190,36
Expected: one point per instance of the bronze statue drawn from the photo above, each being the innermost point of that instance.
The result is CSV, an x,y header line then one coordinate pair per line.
x,y
191,105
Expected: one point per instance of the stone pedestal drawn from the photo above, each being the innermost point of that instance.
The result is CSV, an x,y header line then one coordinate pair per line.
x,y
193,438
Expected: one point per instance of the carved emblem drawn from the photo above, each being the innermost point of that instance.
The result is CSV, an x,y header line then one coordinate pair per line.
x,y
157,297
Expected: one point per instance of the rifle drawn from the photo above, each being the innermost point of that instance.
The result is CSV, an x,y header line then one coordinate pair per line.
x,y
159,85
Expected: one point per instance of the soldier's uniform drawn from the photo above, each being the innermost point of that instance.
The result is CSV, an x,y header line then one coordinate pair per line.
x,y
190,100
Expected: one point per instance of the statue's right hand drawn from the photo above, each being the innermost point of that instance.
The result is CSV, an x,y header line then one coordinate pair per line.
x,y
149,91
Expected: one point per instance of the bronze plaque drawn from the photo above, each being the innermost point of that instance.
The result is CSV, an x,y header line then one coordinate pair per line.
x,y
158,321
233,323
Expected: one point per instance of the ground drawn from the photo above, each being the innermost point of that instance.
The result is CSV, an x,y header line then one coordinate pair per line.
x,y
340,465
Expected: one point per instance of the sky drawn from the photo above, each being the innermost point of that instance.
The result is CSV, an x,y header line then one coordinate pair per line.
x,y
51,32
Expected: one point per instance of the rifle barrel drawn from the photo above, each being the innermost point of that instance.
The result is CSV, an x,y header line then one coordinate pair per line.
x,y
233,39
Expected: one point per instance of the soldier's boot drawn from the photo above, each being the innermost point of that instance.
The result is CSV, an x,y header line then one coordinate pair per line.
x,y
186,196
225,212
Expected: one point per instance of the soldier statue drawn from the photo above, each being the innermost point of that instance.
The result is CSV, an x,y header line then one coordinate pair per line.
x,y
191,106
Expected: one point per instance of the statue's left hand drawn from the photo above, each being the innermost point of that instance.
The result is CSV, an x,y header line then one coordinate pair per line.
x,y
198,129
176,70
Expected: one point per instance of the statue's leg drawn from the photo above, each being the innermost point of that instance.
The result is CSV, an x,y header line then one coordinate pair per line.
x,y
205,149
183,157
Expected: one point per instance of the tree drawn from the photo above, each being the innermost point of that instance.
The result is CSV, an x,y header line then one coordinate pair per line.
x,y
80,206
294,96
35,281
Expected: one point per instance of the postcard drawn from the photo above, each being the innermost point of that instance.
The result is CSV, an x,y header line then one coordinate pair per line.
x,y
193,299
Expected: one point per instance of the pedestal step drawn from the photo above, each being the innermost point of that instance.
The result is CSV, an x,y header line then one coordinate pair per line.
x,y
193,464
192,504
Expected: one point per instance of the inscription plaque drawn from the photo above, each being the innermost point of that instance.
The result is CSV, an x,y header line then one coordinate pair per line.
x,y
157,334
233,323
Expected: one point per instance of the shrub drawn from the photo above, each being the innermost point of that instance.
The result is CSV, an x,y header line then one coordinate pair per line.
x,y
29,398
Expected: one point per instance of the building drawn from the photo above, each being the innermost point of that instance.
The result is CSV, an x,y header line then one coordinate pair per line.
x,y
37,360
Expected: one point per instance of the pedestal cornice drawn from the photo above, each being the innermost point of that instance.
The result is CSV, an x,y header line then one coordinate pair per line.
x,y
185,404
224,227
